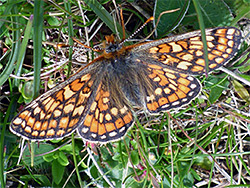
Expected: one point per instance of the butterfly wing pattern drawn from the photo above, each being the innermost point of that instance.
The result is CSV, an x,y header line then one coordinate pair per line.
x,y
99,100
180,56
184,53
58,112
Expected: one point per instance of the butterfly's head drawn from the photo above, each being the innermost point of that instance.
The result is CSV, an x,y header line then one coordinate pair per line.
x,y
112,47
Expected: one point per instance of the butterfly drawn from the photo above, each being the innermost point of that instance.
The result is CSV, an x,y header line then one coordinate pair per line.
x,y
99,100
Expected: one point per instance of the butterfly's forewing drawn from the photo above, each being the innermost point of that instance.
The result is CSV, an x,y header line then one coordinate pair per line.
x,y
184,53
58,112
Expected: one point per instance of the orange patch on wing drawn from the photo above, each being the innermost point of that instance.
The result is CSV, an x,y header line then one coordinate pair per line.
x,y
37,110
167,90
49,104
225,56
221,47
223,40
197,68
216,52
73,122
128,118
46,101
200,62
195,38
76,85
27,129
30,122
231,43
44,125
101,129
172,76
162,101
170,60
110,127
211,56
64,122
210,44
17,121
24,114
173,98
193,46
60,133
35,133
85,77
37,125
229,50
114,111
184,88
153,50
88,120
219,60
164,48
183,44
53,124
213,65
53,106
154,66
94,126
57,113
42,134
96,113
119,123
152,106
79,110
180,94
68,108
221,31
51,133
184,81
175,47
59,95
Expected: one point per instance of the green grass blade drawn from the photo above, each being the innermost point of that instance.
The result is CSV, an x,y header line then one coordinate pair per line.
x,y
38,29
22,51
71,34
203,33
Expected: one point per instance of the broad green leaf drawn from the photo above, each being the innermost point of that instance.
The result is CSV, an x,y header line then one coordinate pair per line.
x,y
57,171
169,21
63,160
135,157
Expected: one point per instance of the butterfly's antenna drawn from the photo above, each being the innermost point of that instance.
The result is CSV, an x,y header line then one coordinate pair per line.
x,y
131,36
149,20
79,42
165,12
123,26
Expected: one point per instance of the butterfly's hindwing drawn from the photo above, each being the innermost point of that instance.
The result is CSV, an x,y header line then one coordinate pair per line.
x,y
106,121
171,89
